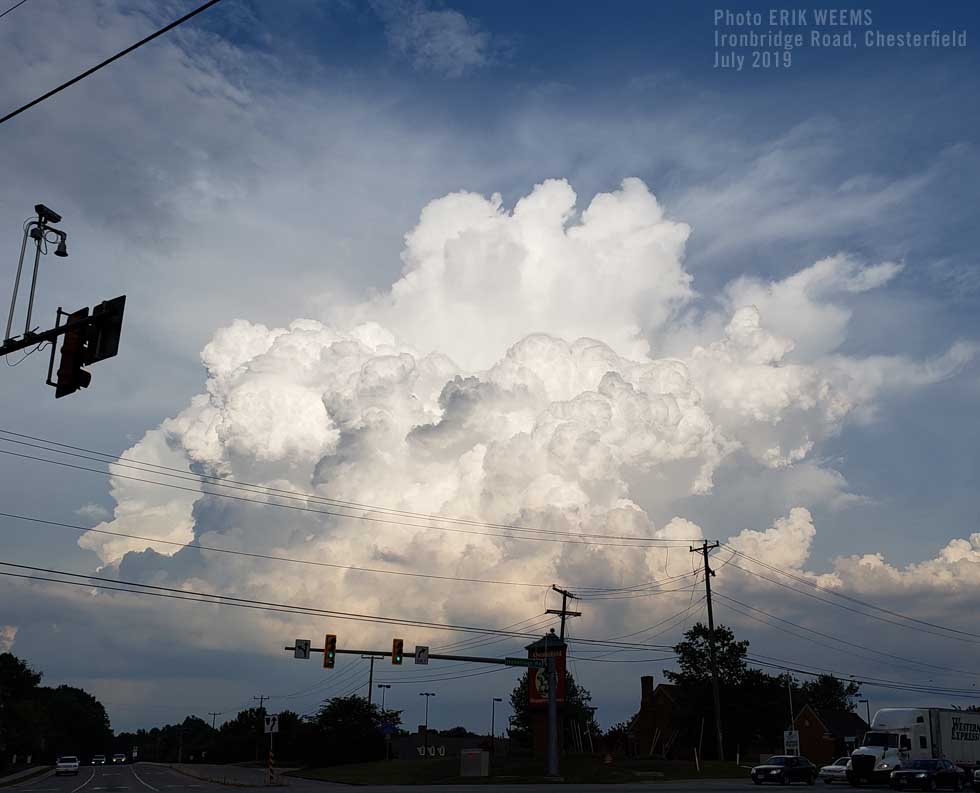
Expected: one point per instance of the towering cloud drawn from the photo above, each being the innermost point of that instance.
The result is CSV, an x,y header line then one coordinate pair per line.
x,y
508,377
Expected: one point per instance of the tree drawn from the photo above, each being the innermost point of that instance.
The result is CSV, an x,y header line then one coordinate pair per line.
x,y
695,662
576,709
350,730
830,693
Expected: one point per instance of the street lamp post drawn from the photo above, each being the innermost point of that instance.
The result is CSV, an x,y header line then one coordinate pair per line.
x,y
384,687
493,704
426,694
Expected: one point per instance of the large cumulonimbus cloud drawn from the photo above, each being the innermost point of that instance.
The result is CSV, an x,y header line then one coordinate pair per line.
x,y
510,376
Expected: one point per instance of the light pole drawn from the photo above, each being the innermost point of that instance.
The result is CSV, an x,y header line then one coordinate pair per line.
x,y
493,704
426,694
384,687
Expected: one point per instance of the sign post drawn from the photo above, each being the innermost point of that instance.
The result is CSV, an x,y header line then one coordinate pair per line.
x,y
272,727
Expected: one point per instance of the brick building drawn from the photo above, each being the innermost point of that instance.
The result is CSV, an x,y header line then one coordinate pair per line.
x,y
828,734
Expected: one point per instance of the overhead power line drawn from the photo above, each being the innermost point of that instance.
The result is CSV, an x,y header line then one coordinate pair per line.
x,y
137,588
849,598
107,458
272,557
845,607
107,61
917,666
12,8
569,538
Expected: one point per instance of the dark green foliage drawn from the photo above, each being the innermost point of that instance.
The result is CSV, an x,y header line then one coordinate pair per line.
x,y
577,708
755,705
45,722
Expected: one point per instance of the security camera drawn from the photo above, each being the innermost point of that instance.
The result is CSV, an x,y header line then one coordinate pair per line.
x,y
46,215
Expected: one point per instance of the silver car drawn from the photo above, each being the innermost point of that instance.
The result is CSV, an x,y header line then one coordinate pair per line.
x,y
836,771
67,764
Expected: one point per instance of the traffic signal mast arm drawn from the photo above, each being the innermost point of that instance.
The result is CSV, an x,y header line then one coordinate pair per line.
x,y
436,656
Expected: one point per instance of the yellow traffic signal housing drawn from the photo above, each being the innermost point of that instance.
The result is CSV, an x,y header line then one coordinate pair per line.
x,y
329,651
397,646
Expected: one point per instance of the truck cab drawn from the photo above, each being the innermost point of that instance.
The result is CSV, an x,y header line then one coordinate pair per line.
x,y
897,736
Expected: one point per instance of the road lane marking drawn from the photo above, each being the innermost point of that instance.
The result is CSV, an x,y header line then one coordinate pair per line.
x,y
146,784
85,782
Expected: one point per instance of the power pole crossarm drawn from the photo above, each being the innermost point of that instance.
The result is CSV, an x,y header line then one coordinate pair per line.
x,y
708,573
564,613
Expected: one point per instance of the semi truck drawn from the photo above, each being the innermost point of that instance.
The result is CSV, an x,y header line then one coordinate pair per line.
x,y
900,735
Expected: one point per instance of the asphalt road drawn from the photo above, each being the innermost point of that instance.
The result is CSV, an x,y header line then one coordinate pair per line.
x,y
151,778
137,778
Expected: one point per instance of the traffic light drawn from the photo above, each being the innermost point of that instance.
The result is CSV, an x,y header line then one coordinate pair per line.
x,y
329,651
397,646
71,376
105,330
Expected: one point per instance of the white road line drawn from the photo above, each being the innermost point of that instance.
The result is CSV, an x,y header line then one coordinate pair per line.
x,y
145,784
85,782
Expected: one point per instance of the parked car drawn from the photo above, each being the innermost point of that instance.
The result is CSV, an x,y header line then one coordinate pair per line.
x,y
836,771
99,759
118,758
928,774
67,764
976,779
785,770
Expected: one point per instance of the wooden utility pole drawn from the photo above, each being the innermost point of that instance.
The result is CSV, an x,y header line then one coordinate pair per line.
x,y
565,595
708,573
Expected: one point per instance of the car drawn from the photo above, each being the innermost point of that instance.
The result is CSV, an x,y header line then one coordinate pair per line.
x,y
976,779
98,759
118,758
784,769
67,764
835,772
927,774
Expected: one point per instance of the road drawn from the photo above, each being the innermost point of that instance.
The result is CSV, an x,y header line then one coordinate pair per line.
x,y
151,778
137,778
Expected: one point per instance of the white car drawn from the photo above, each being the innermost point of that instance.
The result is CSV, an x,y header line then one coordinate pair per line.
x,y
836,771
67,764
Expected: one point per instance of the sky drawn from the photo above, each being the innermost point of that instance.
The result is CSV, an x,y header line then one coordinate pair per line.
x,y
537,265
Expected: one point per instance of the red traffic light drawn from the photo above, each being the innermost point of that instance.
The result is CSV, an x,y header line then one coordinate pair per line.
x,y
71,376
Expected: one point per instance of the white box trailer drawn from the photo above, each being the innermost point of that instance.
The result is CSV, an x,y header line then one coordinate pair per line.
x,y
900,735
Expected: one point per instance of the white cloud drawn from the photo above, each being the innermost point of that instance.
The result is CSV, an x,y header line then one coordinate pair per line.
x,y
8,633
94,512
436,40
462,391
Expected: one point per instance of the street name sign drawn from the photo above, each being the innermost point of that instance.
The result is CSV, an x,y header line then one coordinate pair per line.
x,y
530,663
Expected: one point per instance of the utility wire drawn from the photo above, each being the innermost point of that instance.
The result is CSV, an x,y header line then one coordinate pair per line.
x,y
107,61
561,539
841,595
272,557
917,666
262,605
857,611
12,8
295,495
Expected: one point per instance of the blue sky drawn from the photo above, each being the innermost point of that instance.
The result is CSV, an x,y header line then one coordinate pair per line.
x,y
266,162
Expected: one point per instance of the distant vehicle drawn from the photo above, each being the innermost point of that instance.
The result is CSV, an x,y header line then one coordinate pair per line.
x,y
785,770
928,774
99,759
899,736
836,771
118,758
67,764
976,779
